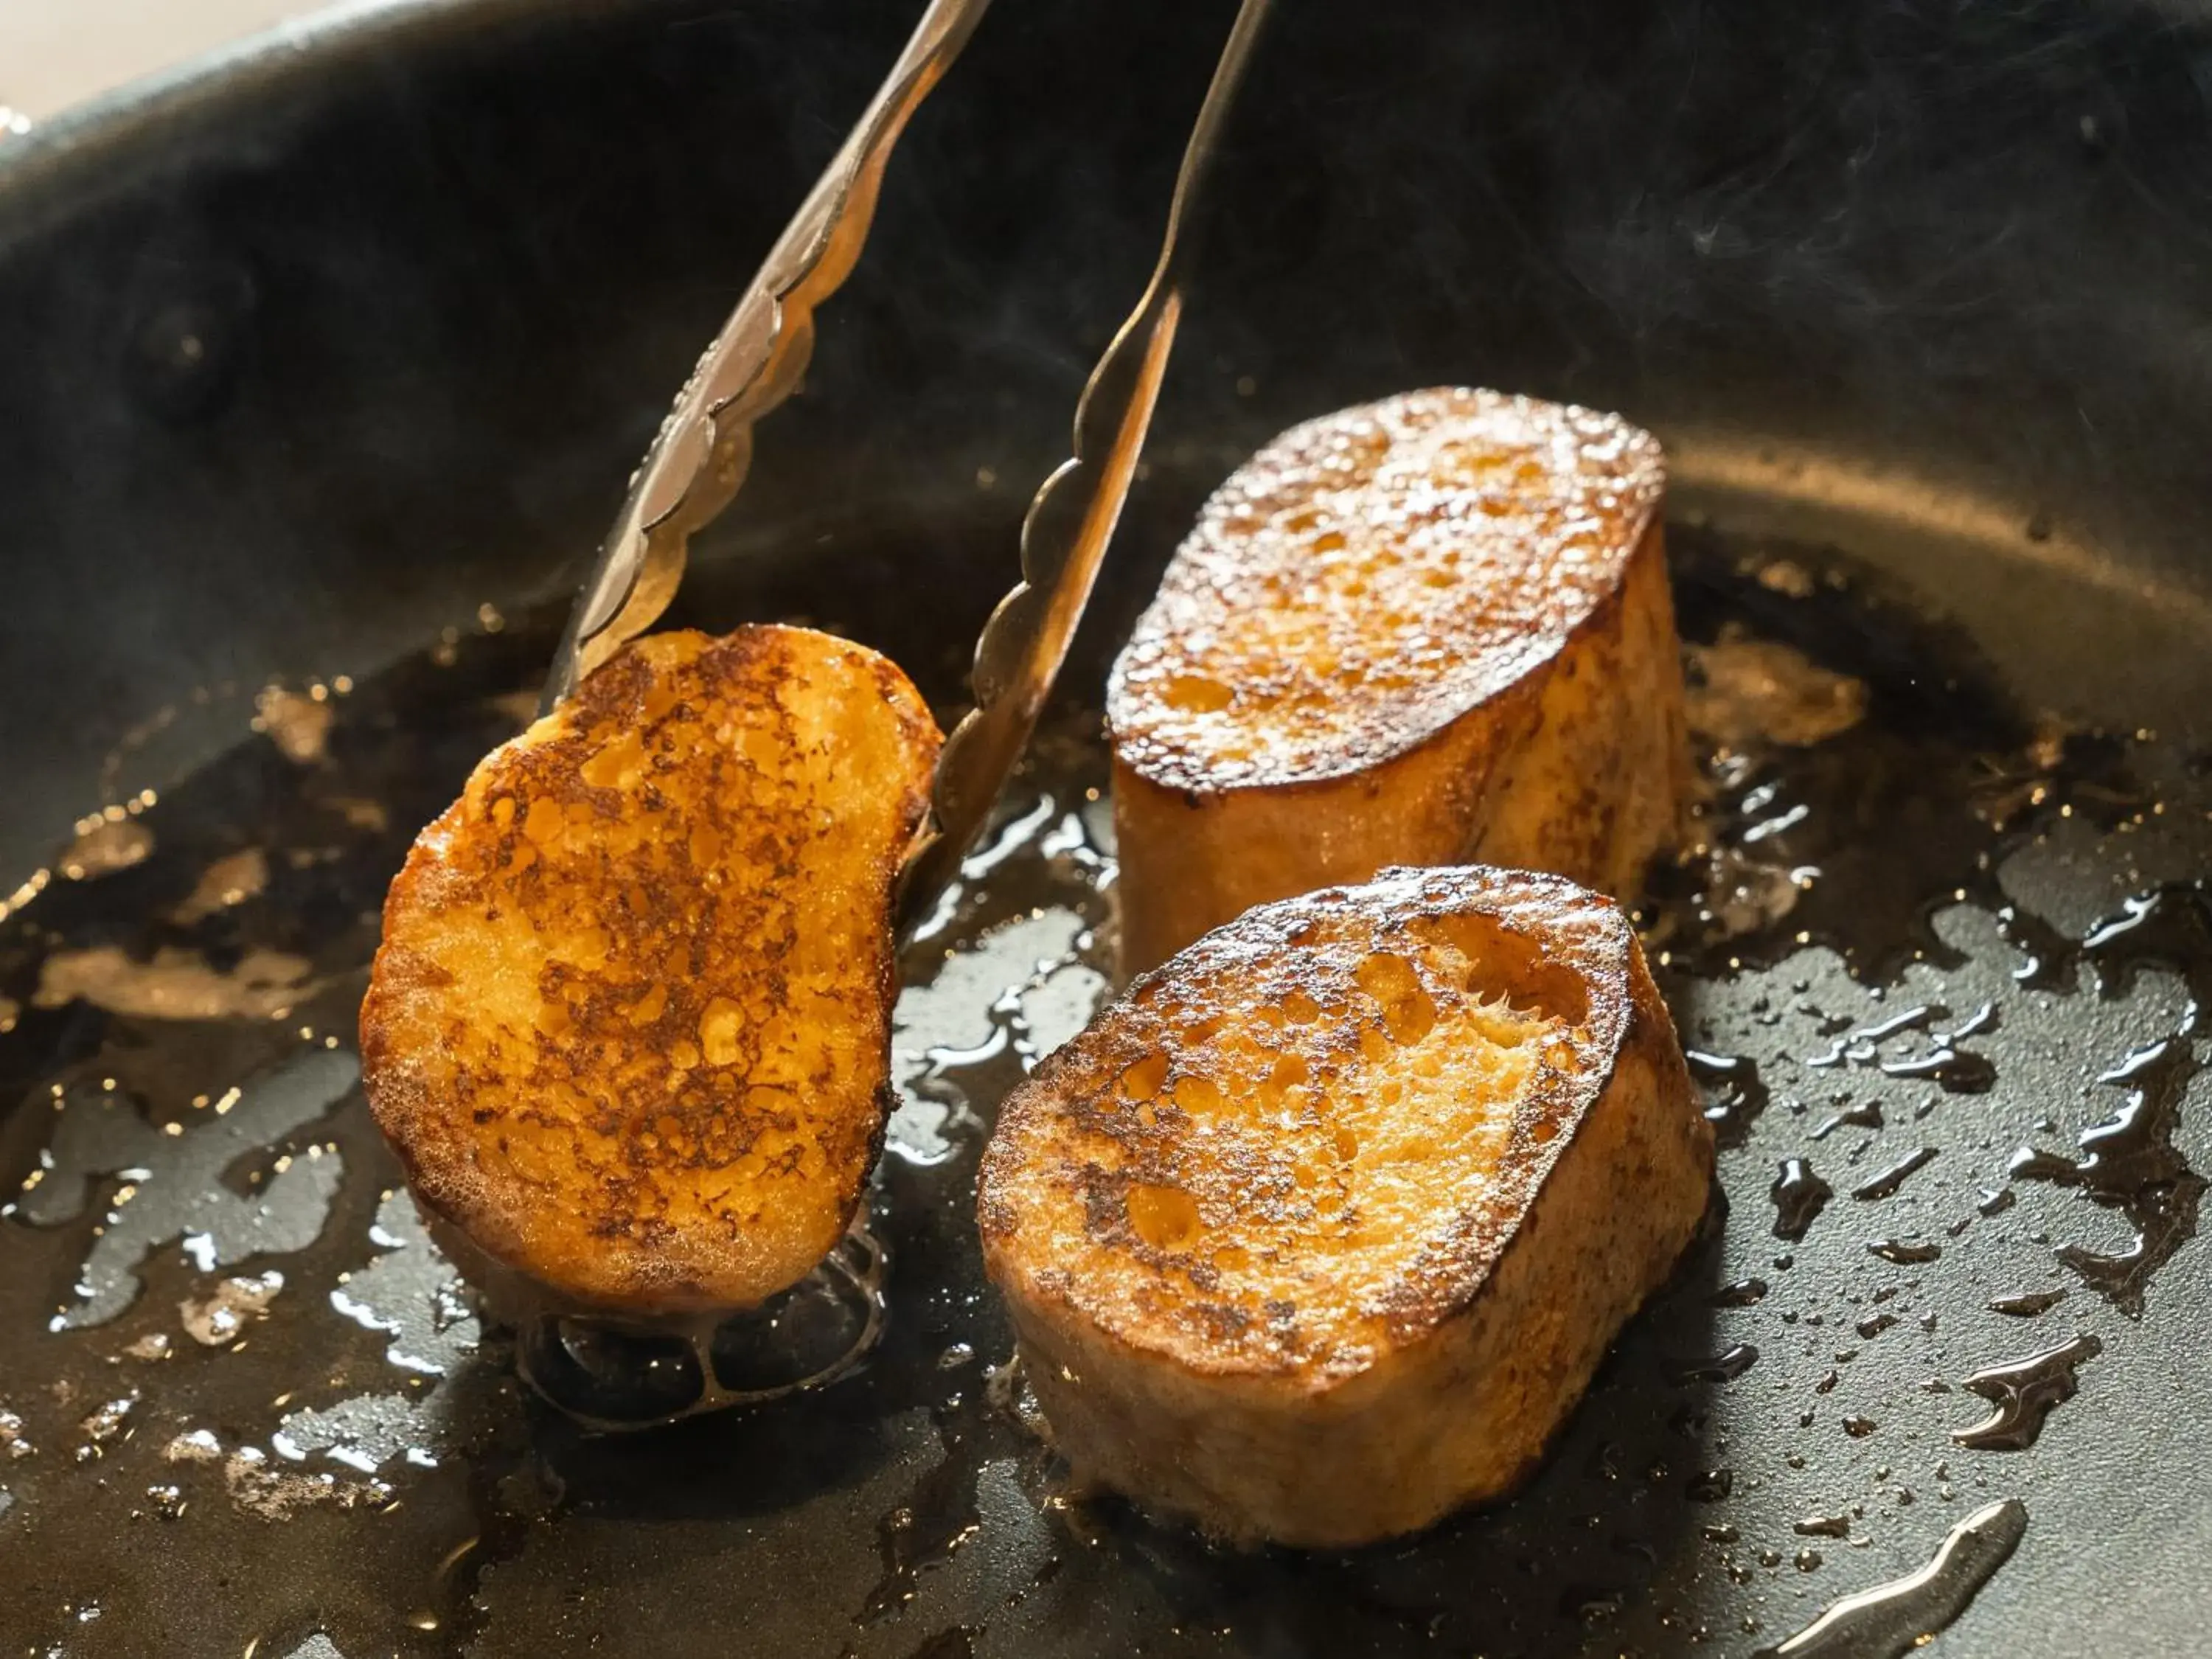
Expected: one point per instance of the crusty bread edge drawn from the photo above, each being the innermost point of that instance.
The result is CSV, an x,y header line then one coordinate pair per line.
x,y
1478,1342
398,1099
1219,851
1638,533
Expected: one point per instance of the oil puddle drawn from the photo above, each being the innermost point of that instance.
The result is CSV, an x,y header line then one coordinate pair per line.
x,y
2023,1393
1799,1196
2129,1163
1856,983
1898,1617
1740,1097
614,1378
1886,1183
171,1185
1906,1253
1856,765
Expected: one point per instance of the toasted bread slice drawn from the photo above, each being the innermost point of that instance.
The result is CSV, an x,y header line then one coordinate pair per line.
x,y
1434,629
628,1029
1319,1232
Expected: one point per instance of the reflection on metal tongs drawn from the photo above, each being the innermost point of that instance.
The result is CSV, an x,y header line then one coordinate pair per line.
x,y
700,456
1073,517
610,1376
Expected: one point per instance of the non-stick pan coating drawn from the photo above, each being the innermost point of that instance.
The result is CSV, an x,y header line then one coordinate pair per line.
x,y
1913,294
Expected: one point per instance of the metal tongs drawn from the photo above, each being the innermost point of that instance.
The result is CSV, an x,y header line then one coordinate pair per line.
x,y
699,458
610,1376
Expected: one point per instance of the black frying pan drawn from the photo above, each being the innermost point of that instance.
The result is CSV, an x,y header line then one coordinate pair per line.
x,y
310,354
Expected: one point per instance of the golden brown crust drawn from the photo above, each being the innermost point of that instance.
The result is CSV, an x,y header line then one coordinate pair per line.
x,y
1269,1230
1382,1239
1369,576
1432,630
629,1026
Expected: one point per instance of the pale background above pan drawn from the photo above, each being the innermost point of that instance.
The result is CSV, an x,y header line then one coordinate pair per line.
x,y
54,53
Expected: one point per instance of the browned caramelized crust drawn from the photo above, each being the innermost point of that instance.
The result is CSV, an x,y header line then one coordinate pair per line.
x,y
1318,1233
629,1028
1427,630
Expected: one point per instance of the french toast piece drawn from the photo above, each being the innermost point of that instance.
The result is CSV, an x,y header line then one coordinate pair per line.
x,y
1319,1232
1434,629
628,1029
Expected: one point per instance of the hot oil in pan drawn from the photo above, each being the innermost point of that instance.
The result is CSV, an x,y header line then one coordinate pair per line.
x,y
246,1402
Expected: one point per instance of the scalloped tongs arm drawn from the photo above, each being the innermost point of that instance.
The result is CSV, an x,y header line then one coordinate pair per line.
x,y
1071,520
699,458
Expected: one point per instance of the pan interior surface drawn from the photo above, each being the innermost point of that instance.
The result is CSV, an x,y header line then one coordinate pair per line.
x,y
1937,539
227,1319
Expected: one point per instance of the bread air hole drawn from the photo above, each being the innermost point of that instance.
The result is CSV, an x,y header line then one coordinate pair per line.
x,y
1165,1218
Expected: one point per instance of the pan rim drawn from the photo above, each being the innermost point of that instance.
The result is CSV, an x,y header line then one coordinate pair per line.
x,y
153,125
